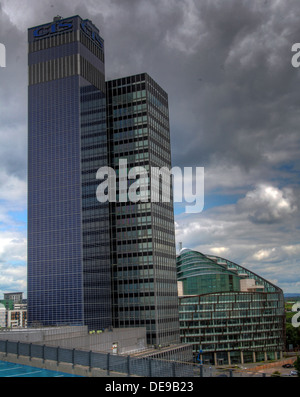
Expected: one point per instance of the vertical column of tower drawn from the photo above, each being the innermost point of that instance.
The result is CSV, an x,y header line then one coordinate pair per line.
x,y
55,293
68,231
162,212
95,215
142,235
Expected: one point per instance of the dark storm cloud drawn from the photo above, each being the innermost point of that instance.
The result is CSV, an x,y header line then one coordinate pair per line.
x,y
230,81
226,66
13,105
246,97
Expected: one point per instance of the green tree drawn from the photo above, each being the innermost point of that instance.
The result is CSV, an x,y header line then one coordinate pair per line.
x,y
276,373
292,336
297,365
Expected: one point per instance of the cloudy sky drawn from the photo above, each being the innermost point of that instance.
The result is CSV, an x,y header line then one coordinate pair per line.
x,y
234,110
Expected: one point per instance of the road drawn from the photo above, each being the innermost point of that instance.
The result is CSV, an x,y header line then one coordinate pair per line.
x,y
243,371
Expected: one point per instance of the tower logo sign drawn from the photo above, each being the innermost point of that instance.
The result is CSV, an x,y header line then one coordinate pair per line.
x,y
55,27
91,33
61,26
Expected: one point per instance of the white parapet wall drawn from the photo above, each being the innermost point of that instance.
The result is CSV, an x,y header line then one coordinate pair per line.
x,y
116,341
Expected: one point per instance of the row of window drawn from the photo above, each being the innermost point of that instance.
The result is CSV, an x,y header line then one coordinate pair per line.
x,y
130,109
127,134
122,99
53,41
65,38
123,81
234,297
63,67
54,69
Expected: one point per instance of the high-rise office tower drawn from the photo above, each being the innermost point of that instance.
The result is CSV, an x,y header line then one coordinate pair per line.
x,y
69,272
143,253
92,263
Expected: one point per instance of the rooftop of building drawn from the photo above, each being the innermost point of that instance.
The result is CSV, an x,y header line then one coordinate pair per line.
x,y
192,264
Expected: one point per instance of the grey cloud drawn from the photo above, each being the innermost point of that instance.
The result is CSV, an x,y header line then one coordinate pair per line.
x,y
226,67
268,204
247,93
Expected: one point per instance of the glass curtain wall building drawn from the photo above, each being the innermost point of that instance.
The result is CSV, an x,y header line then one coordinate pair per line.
x,y
68,229
142,234
228,313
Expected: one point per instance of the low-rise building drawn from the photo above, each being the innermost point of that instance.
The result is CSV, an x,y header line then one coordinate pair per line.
x,y
2,316
17,317
16,297
228,313
13,311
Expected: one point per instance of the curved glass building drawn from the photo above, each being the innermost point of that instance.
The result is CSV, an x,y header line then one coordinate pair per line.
x,y
228,313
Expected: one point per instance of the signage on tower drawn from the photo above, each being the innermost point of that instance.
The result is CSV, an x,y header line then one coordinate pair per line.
x,y
55,27
88,30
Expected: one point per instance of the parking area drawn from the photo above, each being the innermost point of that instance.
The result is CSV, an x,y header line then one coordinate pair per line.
x,y
11,370
282,368
279,368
